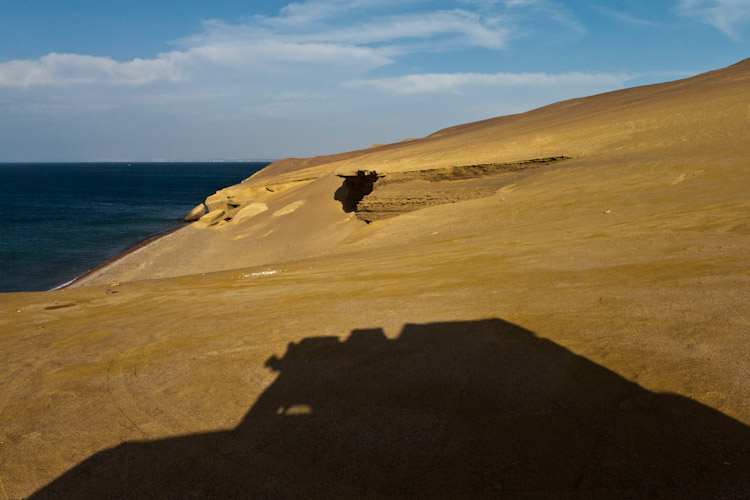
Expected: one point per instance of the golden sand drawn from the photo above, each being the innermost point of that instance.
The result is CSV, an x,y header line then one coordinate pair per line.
x,y
574,330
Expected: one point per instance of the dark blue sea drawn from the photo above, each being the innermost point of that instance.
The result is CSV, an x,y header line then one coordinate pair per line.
x,y
59,220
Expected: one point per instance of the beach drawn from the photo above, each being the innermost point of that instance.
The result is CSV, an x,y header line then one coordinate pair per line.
x,y
94,272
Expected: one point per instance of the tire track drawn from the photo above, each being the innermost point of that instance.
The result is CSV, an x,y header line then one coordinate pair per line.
x,y
121,380
136,403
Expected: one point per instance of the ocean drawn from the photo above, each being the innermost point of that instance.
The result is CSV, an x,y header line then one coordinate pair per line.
x,y
59,220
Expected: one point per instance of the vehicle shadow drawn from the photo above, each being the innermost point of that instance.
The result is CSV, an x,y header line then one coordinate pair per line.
x,y
476,409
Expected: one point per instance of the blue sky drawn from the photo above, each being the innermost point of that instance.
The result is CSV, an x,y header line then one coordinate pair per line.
x,y
197,79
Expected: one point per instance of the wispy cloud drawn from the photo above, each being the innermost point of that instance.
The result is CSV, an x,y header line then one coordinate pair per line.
x,y
54,69
728,16
196,63
466,28
316,34
456,82
343,37
626,17
527,12
304,13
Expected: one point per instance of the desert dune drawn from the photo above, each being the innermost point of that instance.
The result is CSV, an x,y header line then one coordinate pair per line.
x,y
551,304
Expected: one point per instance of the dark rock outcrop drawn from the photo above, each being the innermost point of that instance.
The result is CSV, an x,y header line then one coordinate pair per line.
x,y
375,196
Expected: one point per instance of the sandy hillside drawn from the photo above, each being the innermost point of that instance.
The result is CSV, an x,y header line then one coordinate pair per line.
x,y
292,209
545,305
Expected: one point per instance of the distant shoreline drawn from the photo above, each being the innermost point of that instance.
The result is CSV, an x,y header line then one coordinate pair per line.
x,y
80,215
117,257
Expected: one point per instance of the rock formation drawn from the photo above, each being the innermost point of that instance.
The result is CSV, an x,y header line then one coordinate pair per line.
x,y
211,218
377,197
196,213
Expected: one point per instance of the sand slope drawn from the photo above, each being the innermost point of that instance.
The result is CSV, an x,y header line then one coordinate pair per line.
x,y
580,331
701,122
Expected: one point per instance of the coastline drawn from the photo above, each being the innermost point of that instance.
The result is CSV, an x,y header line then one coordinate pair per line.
x,y
77,280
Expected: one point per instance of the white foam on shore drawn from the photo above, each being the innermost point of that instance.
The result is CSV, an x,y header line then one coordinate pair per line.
x,y
58,287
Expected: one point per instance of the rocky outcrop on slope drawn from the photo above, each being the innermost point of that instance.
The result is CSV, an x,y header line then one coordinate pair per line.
x,y
211,218
250,197
373,196
196,213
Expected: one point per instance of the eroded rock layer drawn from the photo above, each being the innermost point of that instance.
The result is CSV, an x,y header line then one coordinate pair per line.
x,y
376,196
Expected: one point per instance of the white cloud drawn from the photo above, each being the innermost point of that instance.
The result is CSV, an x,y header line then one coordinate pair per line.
x,y
250,55
465,28
727,16
57,68
468,27
196,63
300,13
316,37
455,82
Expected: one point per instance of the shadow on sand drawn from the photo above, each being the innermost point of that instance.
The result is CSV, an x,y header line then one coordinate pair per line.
x,y
481,409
